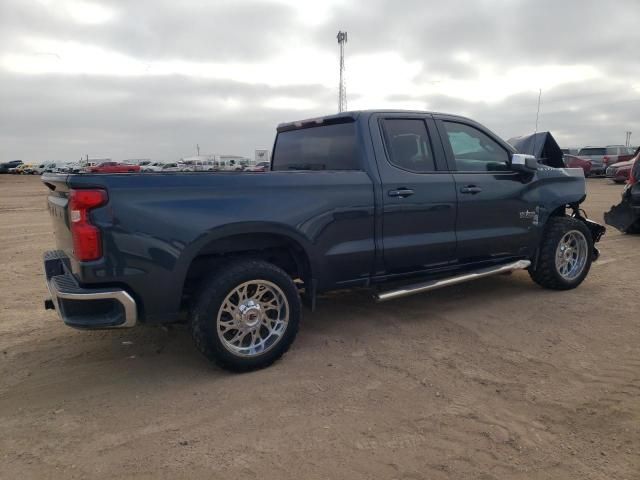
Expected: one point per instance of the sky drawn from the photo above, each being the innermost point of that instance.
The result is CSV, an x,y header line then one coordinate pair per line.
x,y
153,78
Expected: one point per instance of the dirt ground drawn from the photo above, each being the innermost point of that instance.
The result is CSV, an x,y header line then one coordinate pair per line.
x,y
497,379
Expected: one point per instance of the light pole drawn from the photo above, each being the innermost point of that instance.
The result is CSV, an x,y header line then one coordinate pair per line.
x,y
342,89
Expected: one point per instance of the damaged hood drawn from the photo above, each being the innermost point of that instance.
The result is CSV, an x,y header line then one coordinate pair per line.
x,y
541,145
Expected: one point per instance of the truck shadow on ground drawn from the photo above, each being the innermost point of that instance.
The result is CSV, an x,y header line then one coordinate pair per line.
x,y
153,358
359,309
354,310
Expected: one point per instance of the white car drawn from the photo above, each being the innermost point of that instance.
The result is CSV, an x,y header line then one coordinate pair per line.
x,y
53,168
171,167
151,167
198,166
229,166
73,167
259,167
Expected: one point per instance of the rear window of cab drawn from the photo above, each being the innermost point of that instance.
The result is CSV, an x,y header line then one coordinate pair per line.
x,y
324,147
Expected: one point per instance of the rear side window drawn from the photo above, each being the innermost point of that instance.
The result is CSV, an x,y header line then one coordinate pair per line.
x,y
475,151
327,147
408,144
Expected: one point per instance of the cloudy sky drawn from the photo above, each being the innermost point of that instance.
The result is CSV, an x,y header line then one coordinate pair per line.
x,y
151,78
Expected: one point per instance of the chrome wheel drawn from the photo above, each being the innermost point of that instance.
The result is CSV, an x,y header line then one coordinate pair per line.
x,y
571,254
253,318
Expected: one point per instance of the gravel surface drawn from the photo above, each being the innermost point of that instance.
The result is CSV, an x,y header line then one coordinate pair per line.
x,y
497,379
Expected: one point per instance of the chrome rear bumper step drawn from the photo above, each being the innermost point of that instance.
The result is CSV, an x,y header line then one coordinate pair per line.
x,y
85,308
445,282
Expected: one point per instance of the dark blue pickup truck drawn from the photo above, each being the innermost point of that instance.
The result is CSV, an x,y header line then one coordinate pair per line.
x,y
402,202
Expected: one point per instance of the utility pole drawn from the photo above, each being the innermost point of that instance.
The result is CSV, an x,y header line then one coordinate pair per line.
x,y
538,112
628,140
198,148
342,89
537,115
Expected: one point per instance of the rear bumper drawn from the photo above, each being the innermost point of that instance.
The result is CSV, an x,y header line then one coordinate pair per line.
x,y
86,308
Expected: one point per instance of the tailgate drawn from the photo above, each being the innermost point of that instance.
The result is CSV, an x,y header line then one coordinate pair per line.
x,y
57,203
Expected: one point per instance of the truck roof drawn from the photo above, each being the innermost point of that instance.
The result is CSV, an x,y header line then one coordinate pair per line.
x,y
352,115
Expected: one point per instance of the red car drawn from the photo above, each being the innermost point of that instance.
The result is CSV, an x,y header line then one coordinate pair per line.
x,y
571,161
619,172
114,167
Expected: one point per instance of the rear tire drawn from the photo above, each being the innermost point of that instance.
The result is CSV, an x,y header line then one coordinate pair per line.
x,y
245,315
565,254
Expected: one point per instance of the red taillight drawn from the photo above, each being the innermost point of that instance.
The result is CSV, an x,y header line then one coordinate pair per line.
x,y
86,237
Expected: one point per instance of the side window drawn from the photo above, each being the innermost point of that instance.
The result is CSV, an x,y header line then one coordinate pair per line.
x,y
408,145
474,151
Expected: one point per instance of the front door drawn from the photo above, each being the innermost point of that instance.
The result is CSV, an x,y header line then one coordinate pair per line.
x,y
494,215
418,194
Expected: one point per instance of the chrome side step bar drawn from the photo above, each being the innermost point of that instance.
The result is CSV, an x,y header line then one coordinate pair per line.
x,y
445,282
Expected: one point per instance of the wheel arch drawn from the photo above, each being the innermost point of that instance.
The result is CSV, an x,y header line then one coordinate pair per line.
x,y
276,244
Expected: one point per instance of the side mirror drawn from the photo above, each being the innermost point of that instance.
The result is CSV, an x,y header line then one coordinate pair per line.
x,y
524,163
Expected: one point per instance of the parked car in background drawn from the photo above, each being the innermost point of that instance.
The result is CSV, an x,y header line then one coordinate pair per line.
x,y
49,168
87,166
229,165
619,172
53,168
259,167
114,167
152,167
199,166
171,167
572,161
25,169
137,161
73,167
569,151
6,166
602,157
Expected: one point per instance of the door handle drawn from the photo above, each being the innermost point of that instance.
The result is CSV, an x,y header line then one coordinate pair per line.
x,y
401,192
473,189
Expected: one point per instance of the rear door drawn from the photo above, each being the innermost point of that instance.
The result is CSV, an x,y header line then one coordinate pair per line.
x,y
494,217
419,197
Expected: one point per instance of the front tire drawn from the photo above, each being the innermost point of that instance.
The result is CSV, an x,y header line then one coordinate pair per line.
x,y
246,315
565,254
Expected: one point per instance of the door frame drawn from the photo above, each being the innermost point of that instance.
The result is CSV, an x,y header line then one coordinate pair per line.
x,y
379,152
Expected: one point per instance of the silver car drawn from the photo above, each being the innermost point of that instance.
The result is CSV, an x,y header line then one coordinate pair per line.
x,y
602,157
